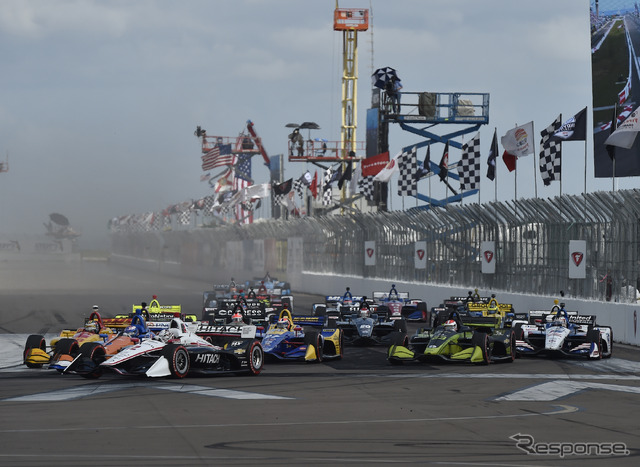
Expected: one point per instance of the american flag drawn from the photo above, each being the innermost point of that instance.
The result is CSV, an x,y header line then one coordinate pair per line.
x,y
242,164
217,157
241,180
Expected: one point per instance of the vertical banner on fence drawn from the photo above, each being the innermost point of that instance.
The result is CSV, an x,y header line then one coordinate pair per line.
x,y
488,250
577,259
370,253
420,255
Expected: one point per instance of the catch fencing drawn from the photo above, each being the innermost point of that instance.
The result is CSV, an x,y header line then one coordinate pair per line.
x,y
531,245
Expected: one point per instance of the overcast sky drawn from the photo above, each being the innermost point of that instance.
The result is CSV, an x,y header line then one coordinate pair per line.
x,y
100,99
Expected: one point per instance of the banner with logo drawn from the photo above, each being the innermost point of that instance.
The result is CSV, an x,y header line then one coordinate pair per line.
x,y
488,253
577,259
370,253
420,255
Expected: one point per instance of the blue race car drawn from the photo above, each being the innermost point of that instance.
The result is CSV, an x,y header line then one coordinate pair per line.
x,y
367,328
397,305
286,339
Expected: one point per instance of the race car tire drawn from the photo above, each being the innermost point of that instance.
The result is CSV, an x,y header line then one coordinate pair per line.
x,y
256,358
609,350
178,358
314,338
320,310
34,341
512,344
95,352
399,338
422,306
341,344
516,334
67,346
400,325
481,339
593,335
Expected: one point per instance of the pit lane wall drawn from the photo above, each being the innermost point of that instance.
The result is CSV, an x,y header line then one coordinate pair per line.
x,y
36,248
252,259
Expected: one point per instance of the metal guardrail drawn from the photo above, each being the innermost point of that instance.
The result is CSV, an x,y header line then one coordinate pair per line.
x,y
531,236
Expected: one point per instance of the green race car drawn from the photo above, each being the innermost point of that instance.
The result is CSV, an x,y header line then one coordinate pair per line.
x,y
459,339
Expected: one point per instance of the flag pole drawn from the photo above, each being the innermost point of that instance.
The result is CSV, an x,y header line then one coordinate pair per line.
x,y
535,177
495,181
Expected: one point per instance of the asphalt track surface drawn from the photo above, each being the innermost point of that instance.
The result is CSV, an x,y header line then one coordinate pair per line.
x,y
356,411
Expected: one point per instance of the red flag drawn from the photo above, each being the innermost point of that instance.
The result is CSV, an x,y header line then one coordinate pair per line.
x,y
509,161
373,165
314,185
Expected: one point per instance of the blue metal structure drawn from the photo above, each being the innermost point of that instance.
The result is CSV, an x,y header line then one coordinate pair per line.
x,y
471,109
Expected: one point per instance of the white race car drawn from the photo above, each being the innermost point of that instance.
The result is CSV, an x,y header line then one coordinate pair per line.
x,y
178,351
562,333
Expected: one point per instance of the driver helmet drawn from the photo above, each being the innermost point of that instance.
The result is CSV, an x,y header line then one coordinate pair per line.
x,y
131,331
237,318
283,323
364,312
95,308
450,325
164,335
560,321
92,326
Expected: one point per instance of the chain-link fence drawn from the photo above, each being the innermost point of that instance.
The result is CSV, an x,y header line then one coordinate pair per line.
x,y
531,244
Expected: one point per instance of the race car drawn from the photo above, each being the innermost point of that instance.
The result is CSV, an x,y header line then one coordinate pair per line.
x,y
340,306
475,306
397,305
156,316
65,348
366,328
273,286
272,297
178,352
458,339
562,333
286,339
220,311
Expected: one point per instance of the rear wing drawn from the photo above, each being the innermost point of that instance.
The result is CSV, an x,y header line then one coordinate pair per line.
x,y
339,298
155,307
318,321
243,332
582,320
483,307
384,296
253,309
546,316
468,299
481,321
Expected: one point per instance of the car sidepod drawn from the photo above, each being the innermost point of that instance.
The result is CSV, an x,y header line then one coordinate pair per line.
x,y
237,356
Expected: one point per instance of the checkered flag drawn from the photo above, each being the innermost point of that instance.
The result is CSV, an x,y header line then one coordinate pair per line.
x,y
278,199
365,186
469,168
408,165
327,193
299,187
550,153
